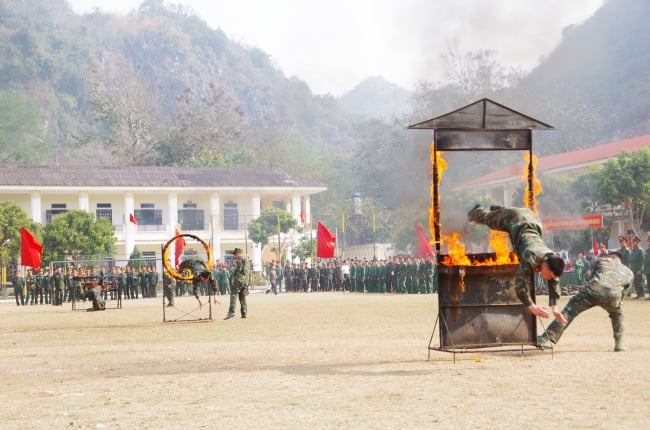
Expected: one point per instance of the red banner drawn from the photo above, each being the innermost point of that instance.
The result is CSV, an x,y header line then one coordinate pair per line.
x,y
424,247
179,246
326,242
30,249
573,222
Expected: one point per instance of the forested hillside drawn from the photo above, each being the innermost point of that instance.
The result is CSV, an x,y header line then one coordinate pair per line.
x,y
160,87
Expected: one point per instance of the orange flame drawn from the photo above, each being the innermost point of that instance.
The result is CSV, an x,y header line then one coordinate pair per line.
x,y
438,165
456,255
531,167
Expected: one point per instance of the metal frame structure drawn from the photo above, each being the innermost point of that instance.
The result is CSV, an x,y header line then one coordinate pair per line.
x,y
480,126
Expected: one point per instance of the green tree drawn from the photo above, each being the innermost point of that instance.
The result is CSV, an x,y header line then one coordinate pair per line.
x,y
625,181
135,259
271,222
12,218
78,233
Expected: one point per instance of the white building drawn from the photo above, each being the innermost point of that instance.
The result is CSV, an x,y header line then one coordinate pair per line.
x,y
213,203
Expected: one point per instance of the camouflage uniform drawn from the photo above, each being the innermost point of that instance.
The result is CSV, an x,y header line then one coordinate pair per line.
x,y
604,288
19,289
197,267
239,287
525,231
95,294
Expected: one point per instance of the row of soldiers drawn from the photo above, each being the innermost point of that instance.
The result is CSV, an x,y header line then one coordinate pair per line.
x,y
637,259
44,286
400,275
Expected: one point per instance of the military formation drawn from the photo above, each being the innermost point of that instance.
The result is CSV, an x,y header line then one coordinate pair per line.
x,y
47,287
398,275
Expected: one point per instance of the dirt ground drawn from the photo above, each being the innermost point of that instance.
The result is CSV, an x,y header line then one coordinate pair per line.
x,y
317,360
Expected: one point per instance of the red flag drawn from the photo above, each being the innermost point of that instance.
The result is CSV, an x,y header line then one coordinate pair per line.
x,y
595,248
132,219
424,247
302,217
30,249
326,241
179,246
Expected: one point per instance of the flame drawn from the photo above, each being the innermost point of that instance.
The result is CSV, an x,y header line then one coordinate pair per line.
x,y
456,255
438,166
529,200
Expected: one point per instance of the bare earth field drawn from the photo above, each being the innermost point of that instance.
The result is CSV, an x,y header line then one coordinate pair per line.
x,y
319,360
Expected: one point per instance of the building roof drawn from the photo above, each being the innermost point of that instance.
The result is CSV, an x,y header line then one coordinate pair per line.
x,y
147,176
564,161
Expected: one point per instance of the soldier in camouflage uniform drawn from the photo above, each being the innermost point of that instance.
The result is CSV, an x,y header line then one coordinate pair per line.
x,y
200,274
637,257
57,287
239,284
605,288
95,294
525,231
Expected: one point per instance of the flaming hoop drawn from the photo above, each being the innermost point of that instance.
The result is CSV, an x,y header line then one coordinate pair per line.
x,y
171,270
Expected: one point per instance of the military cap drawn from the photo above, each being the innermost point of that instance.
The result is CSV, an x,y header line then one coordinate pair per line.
x,y
237,251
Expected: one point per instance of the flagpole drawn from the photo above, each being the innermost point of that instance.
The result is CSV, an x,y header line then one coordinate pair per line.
x,y
278,253
343,235
311,241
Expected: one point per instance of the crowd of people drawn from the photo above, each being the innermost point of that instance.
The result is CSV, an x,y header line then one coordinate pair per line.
x,y
44,286
399,275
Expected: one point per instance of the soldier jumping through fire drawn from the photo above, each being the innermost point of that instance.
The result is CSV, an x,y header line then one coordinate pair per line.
x,y
525,231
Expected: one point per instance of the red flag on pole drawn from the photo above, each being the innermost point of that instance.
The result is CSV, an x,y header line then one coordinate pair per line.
x,y
595,248
179,245
132,219
326,241
30,249
424,247
302,217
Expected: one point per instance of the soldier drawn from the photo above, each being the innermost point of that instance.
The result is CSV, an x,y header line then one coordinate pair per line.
x,y
239,285
279,273
200,274
95,294
579,263
525,231
605,288
637,258
40,292
312,276
288,276
337,277
224,280
168,288
57,287
624,250
131,282
19,288
142,281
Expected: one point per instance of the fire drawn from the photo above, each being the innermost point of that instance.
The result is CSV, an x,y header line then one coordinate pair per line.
x,y
438,166
499,241
529,200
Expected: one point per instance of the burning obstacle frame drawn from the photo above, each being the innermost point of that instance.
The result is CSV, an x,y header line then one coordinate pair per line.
x,y
477,306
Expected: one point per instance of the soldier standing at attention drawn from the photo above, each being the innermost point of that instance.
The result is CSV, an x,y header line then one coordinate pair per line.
x,y
239,284
19,288
525,231
57,286
637,258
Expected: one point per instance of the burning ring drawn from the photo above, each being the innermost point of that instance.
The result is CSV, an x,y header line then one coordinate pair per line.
x,y
172,271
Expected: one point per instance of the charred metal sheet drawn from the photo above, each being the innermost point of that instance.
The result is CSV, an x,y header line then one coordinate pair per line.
x,y
485,140
478,307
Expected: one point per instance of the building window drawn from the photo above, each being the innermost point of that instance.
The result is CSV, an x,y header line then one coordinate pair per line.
x,y
149,258
230,216
279,204
57,209
148,215
104,211
191,219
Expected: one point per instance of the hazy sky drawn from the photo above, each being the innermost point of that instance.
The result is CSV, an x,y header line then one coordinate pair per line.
x,y
334,44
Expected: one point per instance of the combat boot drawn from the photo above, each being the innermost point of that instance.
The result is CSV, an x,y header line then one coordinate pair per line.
x,y
619,346
543,341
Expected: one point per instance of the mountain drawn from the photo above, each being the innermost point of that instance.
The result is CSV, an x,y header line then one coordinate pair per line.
x,y
375,97
602,69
